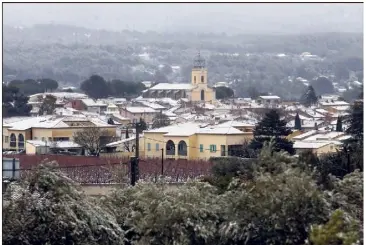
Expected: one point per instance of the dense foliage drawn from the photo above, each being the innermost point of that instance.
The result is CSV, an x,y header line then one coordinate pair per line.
x,y
355,121
160,120
309,97
14,102
31,86
272,126
48,105
322,85
48,208
97,87
224,93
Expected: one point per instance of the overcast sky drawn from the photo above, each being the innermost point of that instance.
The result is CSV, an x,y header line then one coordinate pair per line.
x,y
210,17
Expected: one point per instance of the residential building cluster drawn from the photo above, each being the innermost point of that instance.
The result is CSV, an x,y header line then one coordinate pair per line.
x,y
200,125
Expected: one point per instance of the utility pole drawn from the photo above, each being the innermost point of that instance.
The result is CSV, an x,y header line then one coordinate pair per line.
x,y
162,161
135,159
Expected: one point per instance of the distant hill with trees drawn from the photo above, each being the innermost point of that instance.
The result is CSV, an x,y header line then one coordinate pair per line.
x,y
70,55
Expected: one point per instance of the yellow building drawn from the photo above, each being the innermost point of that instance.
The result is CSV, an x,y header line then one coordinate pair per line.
x,y
197,91
317,148
49,129
193,141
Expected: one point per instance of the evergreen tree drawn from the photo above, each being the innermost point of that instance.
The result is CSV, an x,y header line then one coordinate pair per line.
x,y
309,97
143,125
355,121
95,87
272,126
14,102
224,93
110,121
339,127
127,136
48,105
297,122
160,120
323,85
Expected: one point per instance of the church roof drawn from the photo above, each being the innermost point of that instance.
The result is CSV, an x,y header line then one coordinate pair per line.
x,y
172,86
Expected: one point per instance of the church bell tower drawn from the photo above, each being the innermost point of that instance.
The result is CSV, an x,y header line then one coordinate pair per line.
x,y
199,72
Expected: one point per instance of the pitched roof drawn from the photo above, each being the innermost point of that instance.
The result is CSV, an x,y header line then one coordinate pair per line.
x,y
309,145
139,109
91,102
172,86
58,144
60,95
191,128
26,123
269,97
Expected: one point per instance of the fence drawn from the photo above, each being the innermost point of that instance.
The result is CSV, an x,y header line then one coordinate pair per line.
x,y
107,170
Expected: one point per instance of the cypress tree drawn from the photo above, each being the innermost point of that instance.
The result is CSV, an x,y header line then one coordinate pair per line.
x,y
297,122
127,136
355,121
339,127
110,121
272,126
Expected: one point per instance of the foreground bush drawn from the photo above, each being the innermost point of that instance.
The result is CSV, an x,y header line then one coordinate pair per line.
x,y
48,208
271,200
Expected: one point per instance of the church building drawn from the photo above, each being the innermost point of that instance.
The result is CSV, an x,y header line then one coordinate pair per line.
x,y
196,91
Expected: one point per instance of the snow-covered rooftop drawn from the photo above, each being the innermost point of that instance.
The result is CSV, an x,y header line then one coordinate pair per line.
x,y
58,144
191,128
153,105
305,135
119,142
219,130
91,102
25,123
110,105
172,86
335,103
309,145
66,95
139,109
269,97
237,124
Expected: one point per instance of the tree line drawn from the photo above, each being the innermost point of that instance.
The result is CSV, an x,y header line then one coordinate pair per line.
x,y
15,103
97,87
32,86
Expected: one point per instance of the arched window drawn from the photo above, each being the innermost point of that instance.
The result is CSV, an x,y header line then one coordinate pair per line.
x,y
13,140
202,79
194,79
20,141
170,148
202,94
182,148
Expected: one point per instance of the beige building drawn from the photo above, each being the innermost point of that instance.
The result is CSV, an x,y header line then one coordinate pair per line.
x,y
197,91
135,113
193,141
48,129
319,142
316,147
